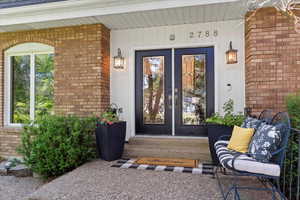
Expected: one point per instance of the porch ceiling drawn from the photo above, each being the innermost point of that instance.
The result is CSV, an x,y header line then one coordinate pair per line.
x,y
117,18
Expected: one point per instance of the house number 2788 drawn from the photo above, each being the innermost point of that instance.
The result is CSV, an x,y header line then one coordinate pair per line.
x,y
201,34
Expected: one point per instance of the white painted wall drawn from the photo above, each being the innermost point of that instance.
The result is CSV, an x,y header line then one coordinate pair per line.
x,y
122,82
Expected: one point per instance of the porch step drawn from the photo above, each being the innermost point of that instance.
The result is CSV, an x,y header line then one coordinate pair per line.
x,y
168,148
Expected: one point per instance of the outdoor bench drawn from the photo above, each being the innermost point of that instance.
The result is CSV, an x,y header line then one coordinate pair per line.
x,y
255,164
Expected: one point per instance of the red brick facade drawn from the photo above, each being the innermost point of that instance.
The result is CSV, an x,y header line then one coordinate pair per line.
x,y
82,72
272,60
81,77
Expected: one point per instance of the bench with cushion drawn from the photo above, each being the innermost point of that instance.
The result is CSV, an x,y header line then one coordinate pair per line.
x,y
265,154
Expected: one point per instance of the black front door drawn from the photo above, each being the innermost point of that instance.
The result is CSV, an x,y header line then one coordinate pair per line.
x,y
194,90
190,100
153,92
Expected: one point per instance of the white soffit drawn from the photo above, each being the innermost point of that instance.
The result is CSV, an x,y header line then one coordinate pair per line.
x,y
118,15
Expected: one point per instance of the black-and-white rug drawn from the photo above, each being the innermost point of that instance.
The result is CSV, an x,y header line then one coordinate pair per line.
x,y
203,168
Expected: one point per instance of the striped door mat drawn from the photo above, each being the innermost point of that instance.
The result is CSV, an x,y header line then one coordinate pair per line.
x,y
202,168
168,162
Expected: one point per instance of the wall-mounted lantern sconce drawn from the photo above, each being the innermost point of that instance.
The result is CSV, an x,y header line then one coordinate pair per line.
x,y
119,60
231,55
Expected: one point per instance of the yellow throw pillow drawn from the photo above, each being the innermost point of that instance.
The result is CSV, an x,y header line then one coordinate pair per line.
x,y
240,139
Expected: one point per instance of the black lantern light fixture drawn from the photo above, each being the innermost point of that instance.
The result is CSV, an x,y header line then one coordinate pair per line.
x,y
119,60
231,55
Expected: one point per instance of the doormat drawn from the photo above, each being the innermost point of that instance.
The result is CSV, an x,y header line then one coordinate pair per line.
x,y
167,162
202,168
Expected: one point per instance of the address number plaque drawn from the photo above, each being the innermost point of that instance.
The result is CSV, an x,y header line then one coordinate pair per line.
x,y
203,34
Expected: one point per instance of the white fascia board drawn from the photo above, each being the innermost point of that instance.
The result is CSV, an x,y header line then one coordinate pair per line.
x,y
44,6
88,8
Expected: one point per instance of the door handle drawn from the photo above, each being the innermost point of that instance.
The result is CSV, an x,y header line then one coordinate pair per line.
x,y
170,101
176,97
176,100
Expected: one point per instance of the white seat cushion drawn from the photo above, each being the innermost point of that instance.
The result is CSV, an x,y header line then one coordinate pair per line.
x,y
248,164
243,162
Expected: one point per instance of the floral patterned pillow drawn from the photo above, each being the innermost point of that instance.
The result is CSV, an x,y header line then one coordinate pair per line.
x,y
266,140
250,122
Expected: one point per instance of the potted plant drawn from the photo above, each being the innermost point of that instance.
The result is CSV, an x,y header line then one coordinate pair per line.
x,y
219,125
110,134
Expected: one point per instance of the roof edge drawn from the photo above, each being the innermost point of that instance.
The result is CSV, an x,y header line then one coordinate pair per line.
x,y
70,9
25,3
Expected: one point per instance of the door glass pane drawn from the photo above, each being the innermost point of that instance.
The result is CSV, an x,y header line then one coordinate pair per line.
x,y
20,90
193,89
153,90
43,84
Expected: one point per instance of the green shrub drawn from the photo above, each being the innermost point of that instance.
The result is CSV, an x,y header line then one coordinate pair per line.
x,y
229,118
293,108
54,145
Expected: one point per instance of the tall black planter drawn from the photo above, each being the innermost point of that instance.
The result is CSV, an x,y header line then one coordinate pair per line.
x,y
110,140
215,131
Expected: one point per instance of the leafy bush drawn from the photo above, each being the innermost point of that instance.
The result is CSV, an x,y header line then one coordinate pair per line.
x,y
54,145
293,108
229,118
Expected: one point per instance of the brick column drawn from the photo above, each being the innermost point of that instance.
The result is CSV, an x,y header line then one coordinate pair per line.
x,y
272,59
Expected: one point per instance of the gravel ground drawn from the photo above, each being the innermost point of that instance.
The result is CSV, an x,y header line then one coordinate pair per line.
x,y
12,188
97,181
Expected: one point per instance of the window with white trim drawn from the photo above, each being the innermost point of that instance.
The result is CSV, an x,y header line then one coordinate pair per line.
x,y
29,82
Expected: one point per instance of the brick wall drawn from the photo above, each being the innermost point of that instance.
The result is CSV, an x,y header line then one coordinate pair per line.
x,y
81,77
272,59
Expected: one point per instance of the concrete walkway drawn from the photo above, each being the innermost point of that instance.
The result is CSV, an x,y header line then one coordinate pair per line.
x,y
98,181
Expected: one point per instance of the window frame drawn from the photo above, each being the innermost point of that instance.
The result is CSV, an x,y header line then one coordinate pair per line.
x,y
8,83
